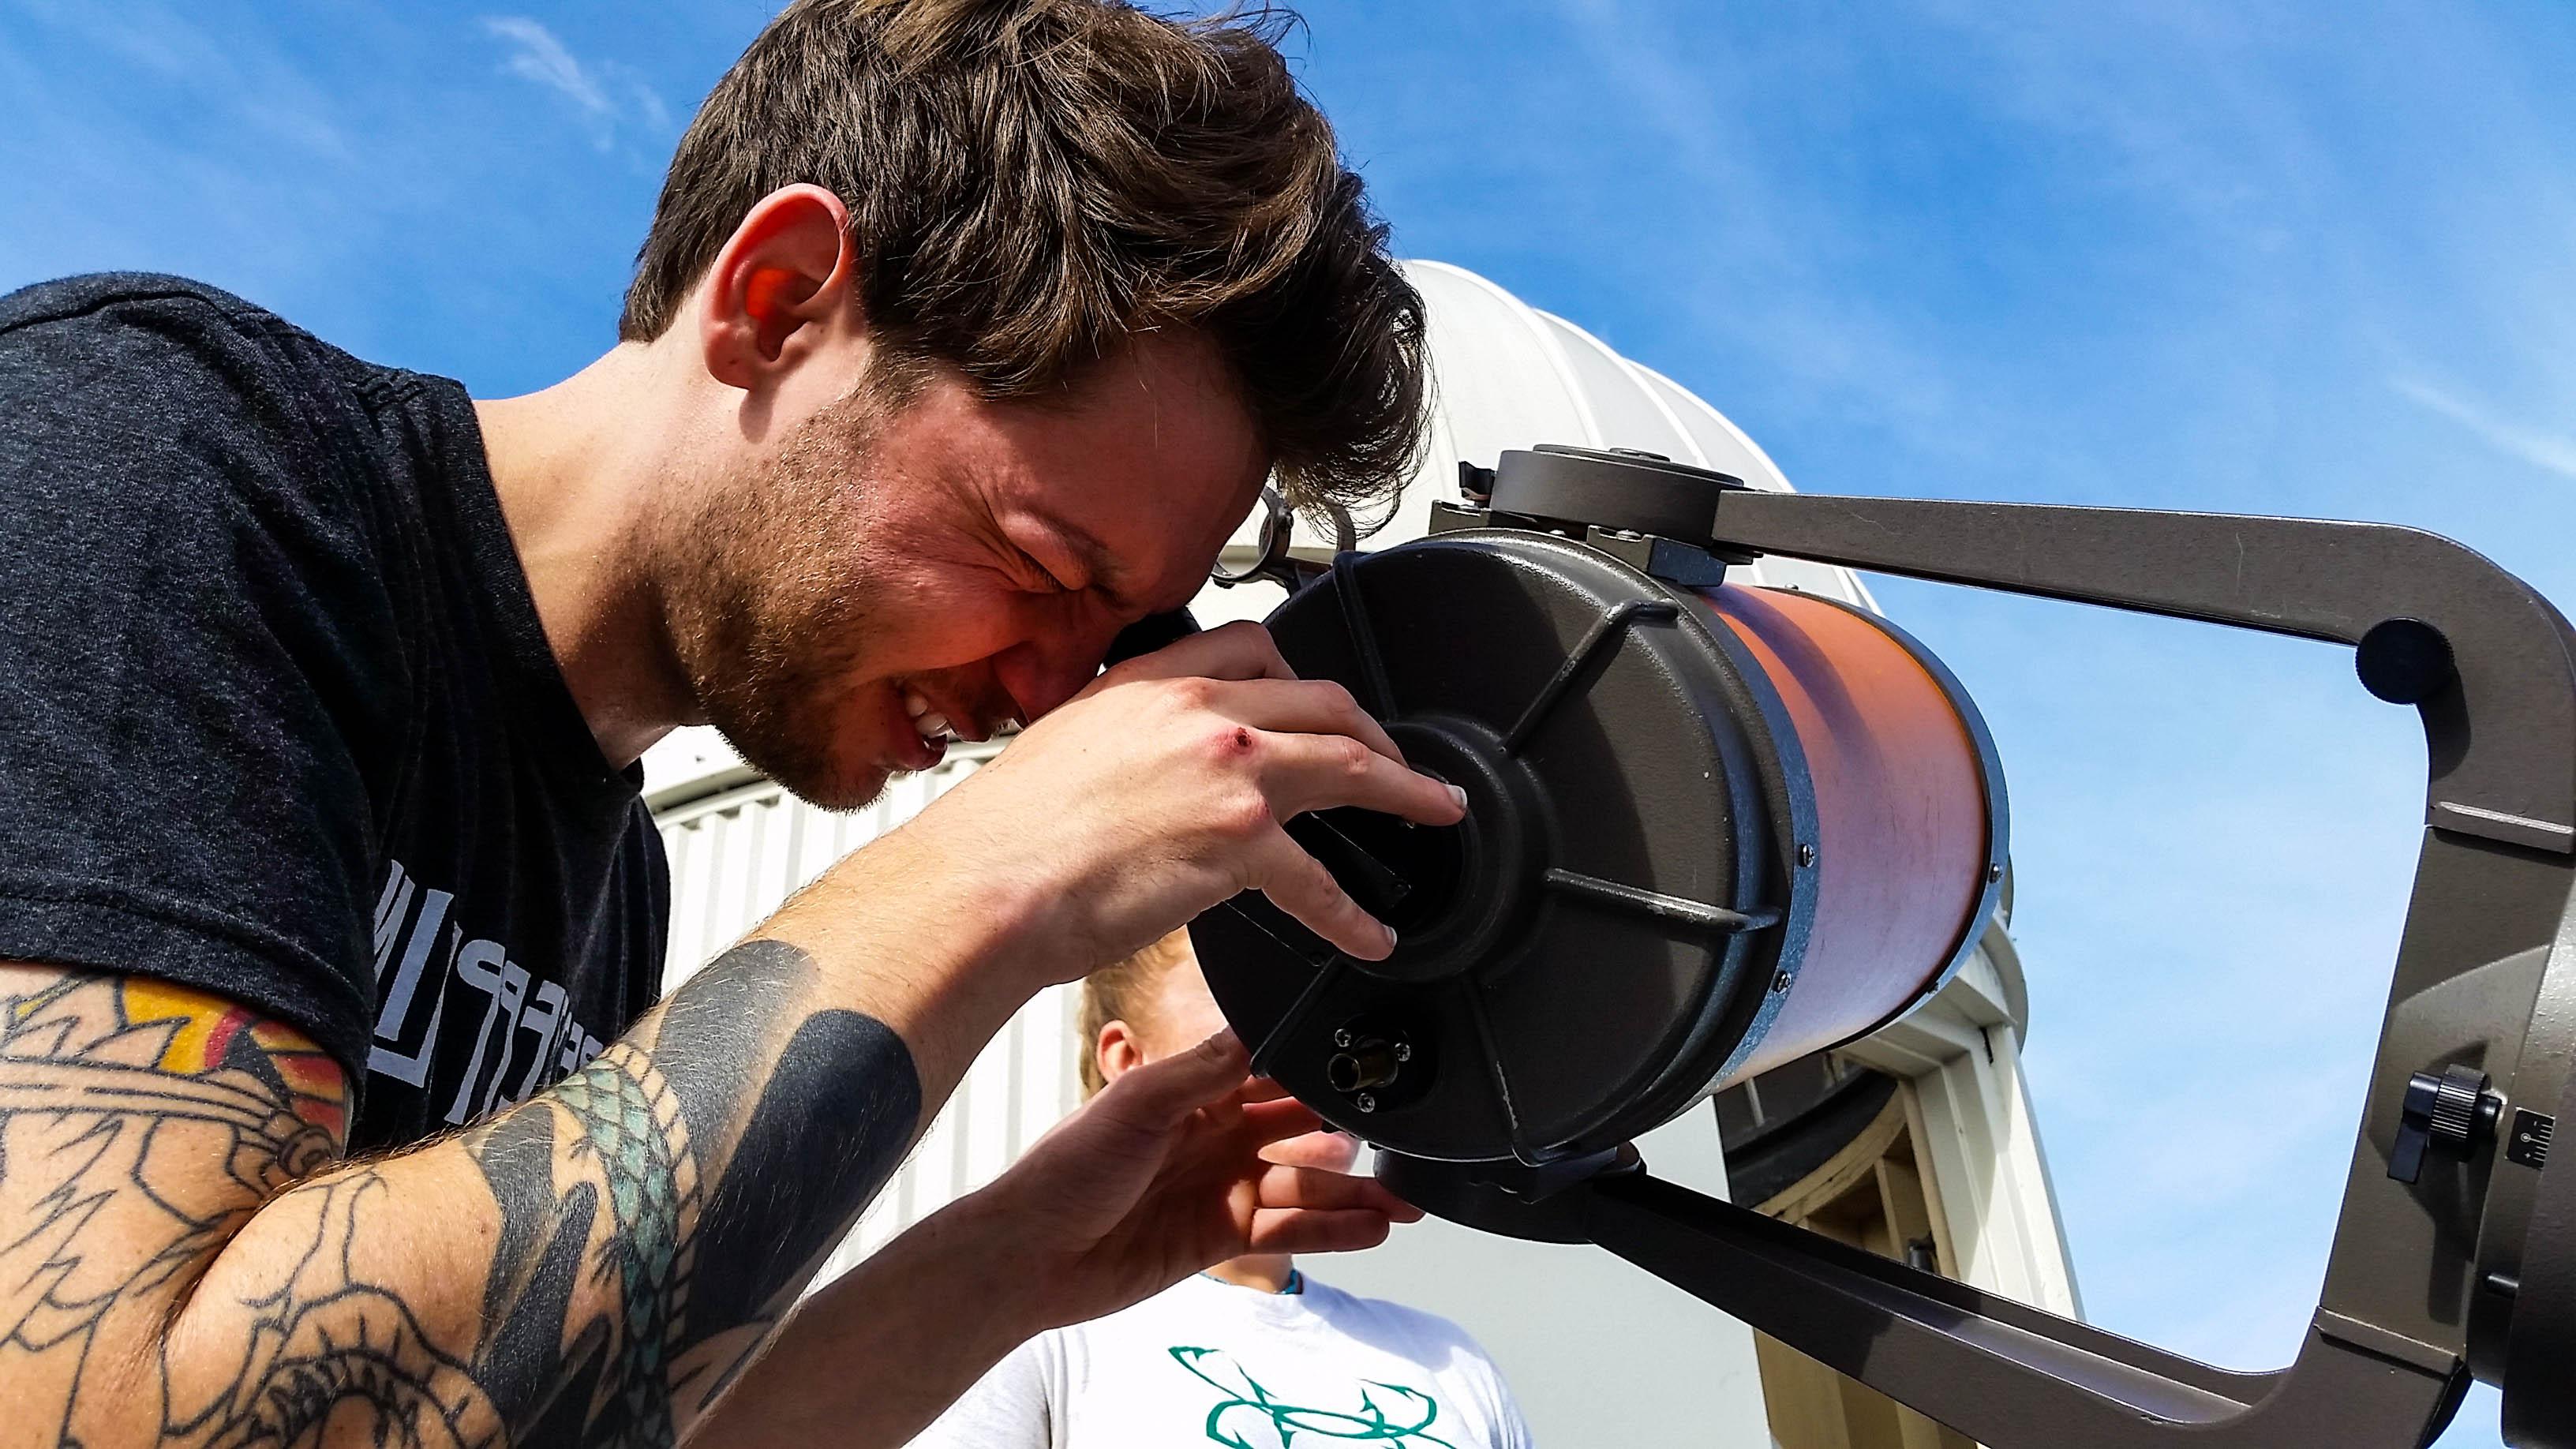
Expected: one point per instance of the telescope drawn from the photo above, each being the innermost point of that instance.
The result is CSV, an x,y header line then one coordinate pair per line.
x,y
1714,827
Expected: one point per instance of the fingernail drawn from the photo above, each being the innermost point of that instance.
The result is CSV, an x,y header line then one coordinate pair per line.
x,y
1390,936
1458,795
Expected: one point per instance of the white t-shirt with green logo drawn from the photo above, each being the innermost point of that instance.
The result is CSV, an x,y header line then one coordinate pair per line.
x,y
1207,1363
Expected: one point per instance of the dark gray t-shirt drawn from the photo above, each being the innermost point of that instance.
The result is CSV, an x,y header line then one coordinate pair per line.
x,y
277,718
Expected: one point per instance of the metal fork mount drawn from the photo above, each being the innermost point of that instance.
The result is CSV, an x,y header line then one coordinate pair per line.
x,y
2470,1269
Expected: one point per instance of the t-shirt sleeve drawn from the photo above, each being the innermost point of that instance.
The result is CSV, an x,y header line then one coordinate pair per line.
x,y
1010,1407
1511,1431
1470,1370
199,657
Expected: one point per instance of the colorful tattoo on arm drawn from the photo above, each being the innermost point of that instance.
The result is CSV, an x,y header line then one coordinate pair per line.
x,y
140,1125
209,1035
184,1262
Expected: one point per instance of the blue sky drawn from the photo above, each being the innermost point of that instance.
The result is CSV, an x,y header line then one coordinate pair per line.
x,y
2239,256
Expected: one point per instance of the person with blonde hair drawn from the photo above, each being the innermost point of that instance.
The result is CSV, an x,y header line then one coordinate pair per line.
x,y
1252,1353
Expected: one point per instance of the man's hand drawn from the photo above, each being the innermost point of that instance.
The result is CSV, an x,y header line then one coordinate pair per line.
x,y
1176,1166
1162,789
1157,792
1153,795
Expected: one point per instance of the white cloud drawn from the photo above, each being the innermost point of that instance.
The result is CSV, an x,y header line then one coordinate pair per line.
x,y
542,58
605,94
2539,447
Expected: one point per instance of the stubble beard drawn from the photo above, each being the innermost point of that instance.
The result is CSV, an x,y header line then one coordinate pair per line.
x,y
770,606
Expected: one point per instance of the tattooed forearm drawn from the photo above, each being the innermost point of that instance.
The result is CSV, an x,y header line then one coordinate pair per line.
x,y
592,1267
318,1345
836,1131
537,1265
139,1126
794,1135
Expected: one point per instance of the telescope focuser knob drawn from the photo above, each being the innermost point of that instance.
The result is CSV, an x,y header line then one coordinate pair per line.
x,y
2453,1114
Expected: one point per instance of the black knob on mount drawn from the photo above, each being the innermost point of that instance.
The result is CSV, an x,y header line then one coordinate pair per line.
x,y
2453,1114
2403,661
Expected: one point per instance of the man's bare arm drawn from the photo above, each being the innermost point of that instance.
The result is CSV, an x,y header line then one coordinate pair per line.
x,y
186,1265
187,1261
1176,1166
182,1262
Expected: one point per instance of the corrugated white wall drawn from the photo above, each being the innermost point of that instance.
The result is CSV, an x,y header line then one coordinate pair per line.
x,y
736,855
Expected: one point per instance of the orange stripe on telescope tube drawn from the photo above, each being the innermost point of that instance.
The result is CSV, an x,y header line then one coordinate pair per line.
x,y
1901,814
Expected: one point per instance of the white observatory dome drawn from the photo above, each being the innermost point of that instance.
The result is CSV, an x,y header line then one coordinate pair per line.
x,y
1507,375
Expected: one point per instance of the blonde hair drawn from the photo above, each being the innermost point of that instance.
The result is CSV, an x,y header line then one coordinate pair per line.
x,y
1124,991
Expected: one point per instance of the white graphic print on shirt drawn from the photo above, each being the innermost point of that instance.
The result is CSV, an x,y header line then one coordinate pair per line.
x,y
1250,1417
535,1031
1207,1363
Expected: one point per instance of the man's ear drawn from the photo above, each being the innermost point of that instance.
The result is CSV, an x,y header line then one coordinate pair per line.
x,y
781,287
1118,1052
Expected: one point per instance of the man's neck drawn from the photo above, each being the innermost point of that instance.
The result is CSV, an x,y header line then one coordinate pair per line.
x,y
1267,1272
575,467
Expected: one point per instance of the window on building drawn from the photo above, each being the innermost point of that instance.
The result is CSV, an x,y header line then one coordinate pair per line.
x,y
1831,1147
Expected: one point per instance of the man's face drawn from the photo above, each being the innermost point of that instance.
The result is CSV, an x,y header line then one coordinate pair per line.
x,y
892,566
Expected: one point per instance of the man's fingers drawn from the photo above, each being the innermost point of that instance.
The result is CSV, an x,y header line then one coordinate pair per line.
x,y
1240,650
1263,1089
1323,772
1313,1187
1325,1151
1161,1093
1303,707
1312,1230
1298,884
1277,1120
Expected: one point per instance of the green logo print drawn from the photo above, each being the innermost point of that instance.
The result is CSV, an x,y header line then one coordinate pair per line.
x,y
1399,1419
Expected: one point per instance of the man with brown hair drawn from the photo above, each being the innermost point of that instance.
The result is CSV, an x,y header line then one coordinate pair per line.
x,y
965,331
1251,1352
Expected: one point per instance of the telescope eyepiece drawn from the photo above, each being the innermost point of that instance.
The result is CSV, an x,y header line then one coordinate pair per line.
x,y
1365,1066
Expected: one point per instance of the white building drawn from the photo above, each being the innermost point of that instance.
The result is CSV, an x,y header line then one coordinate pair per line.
x,y
1917,1142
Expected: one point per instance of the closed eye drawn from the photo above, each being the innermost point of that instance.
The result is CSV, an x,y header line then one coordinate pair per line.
x,y
1040,580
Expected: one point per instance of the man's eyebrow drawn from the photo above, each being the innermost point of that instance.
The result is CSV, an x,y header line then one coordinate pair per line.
x,y
1100,568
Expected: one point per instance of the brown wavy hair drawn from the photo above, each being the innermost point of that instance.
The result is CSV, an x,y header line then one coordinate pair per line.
x,y
1030,182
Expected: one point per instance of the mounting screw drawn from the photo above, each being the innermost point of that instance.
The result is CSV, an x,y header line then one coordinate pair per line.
x,y
1404,1051
1365,1101
1995,871
1781,981
1806,854
2529,1145
1341,1036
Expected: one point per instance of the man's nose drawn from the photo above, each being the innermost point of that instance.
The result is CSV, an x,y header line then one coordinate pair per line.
x,y
1045,672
